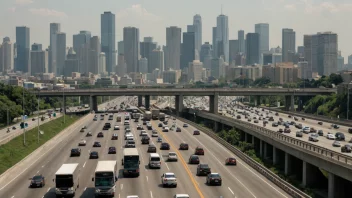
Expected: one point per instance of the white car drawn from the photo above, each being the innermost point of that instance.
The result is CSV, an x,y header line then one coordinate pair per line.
x,y
172,156
132,196
169,179
155,134
181,196
82,142
330,136
116,127
166,129
142,132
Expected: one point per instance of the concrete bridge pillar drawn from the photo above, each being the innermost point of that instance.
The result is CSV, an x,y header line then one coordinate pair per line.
x,y
147,101
331,185
213,103
93,103
308,174
246,137
274,155
252,140
140,101
64,104
290,103
292,98
261,148
178,104
216,126
257,101
288,162
265,150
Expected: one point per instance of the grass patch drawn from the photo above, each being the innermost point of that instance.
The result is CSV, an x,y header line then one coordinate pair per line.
x,y
14,151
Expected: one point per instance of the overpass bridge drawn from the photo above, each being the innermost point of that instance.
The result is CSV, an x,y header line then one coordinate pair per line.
x,y
179,93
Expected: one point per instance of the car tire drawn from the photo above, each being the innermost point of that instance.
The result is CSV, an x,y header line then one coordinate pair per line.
x,y
176,186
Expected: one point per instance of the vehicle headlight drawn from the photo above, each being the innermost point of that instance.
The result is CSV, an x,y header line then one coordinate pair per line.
x,y
97,190
57,191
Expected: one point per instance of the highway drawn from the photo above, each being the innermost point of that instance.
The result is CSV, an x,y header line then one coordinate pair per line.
x,y
238,181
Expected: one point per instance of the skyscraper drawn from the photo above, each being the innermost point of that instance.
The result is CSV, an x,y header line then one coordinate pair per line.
x,y
288,44
197,25
39,60
81,45
222,37
143,65
61,53
252,48
108,43
233,50
71,63
94,55
131,48
156,61
120,47
146,47
7,59
81,39
206,54
173,47
188,49
54,28
241,42
263,30
23,49
215,49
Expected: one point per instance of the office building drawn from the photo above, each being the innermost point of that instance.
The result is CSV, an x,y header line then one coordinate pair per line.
x,y
108,43
102,64
23,49
54,28
120,47
60,53
173,48
214,41
6,56
156,61
94,55
300,51
195,71
305,70
143,65
190,28
206,54
272,58
197,25
222,37
340,62
131,48
71,63
288,44
188,49
252,47
281,73
241,42
233,50
171,76
146,47
39,60
217,68
249,72
263,30
81,45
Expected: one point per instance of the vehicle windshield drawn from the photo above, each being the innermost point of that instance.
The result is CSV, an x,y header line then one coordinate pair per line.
x,y
155,159
37,178
104,181
131,162
169,176
64,181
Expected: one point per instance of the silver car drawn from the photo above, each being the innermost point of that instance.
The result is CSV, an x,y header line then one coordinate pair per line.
x,y
313,137
336,144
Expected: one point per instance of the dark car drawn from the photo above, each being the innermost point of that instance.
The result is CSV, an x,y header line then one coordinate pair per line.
x,y
89,134
340,136
145,140
193,159
114,137
274,124
37,181
112,150
185,125
299,134
199,151
165,146
75,152
287,130
100,134
183,146
151,148
346,149
144,122
93,155
178,129
281,131
214,179
96,144
136,120
196,132
320,123
203,169
165,122
350,130
160,125
231,161
320,133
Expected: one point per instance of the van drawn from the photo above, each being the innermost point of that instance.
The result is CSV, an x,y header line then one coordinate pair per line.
x,y
154,160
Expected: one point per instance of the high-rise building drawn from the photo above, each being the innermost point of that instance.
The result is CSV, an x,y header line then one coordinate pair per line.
x,y
206,54
190,28
108,43
23,49
146,47
156,61
217,67
340,62
222,37
102,64
188,49
241,42
71,62
120,47
6,56
252,48
173,48
233,50
143,65
39,60
94,55
81,39
81,45
288,44
131,48
197,24
263,30
61,53
300,51
215,50
54,28
195,71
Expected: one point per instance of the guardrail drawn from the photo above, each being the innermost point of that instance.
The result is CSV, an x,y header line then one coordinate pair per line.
x,y
287,187
324,153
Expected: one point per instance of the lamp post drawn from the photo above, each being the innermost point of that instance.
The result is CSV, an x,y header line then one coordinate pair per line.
x,y
348,101
23,121
63,102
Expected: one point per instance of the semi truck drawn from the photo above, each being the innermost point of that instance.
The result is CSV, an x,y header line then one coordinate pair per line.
x,y
67,180
147,116
130,162
155,114
105,178
162,116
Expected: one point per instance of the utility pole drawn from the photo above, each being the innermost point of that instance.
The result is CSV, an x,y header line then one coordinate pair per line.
x,y
348,101
38,110
23,120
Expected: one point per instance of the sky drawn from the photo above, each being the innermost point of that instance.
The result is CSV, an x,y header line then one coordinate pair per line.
x,y
153,16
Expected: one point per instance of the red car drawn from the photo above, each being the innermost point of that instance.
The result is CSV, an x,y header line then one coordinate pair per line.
x,y
199,151
196,132
100,134
231,161
114,137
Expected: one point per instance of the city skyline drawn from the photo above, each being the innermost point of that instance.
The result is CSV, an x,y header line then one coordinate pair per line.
x,y
37,16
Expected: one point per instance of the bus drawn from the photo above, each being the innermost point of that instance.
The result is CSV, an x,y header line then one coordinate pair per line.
x,y
118,118
130,162
106,176
67,180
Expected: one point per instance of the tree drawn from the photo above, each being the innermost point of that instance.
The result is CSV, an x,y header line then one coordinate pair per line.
x,y
261,82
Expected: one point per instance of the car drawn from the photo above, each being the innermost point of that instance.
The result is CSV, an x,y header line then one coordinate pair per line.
x,y
299,134
155,134
349,130
82,130
116,127
320,132
306,130
335,126
160,125
151,148
165,122
231,161
37,181
183,146
193,159
178,129
256,121
136,120
287,130
166,129
130,144
129,136
142,132
169,179
96,144
89,134
93,155
336,144
165,146
145,139
313,130
82,142
75,152
85,127
159,139
274,124
172,156
196,132
330,136
281,130
313,137
112,150
139,127
340,136
181,196
114,137
203,169
144,122
100,134
346,148
95,119
185,125
199,151
320,123
214,179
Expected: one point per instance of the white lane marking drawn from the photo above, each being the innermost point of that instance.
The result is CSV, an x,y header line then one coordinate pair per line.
x,y
121,186
12,196
84,164
43,166
167,166
85,189
48,190
151,194
89,151
231,190
119,196
147,178
37,172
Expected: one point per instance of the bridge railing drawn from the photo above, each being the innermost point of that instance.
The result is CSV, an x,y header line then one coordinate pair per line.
x,y
324,153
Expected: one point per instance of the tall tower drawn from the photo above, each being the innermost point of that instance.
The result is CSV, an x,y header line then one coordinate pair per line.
x,y
94,55
173,48
288,44
222,37
39,60
7,55
241,42
252,48
131,48
197,25
61,53
108,44
263,30
81,45
23,49
54,28
188,49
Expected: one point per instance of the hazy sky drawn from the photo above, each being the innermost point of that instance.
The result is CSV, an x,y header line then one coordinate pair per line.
x,y
152,16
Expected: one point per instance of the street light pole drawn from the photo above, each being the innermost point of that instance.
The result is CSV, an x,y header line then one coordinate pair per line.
x,y
63,101
38,115
23,121
348,101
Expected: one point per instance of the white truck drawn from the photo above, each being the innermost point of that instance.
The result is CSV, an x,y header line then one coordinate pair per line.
x,y
67,180
105,178
147,115
155,114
